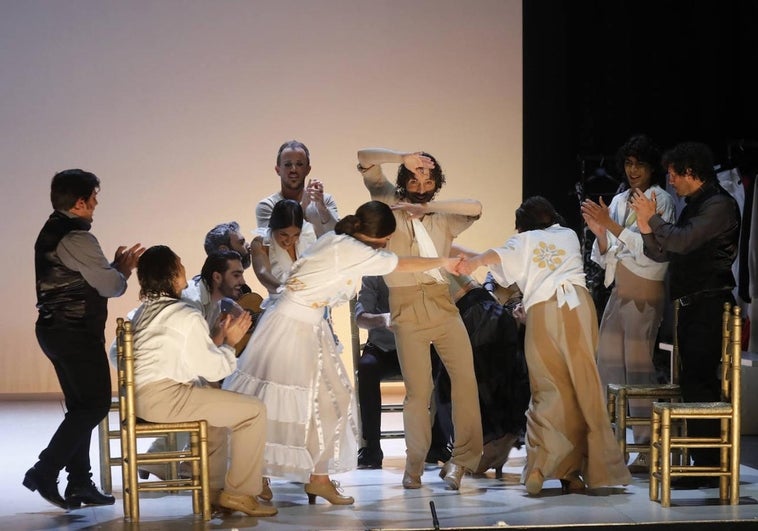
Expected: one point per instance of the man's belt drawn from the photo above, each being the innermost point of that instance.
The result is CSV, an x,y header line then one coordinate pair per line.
x,y
688,300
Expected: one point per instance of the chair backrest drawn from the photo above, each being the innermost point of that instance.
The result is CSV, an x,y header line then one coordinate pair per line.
x,y
731,355
125,365
675,363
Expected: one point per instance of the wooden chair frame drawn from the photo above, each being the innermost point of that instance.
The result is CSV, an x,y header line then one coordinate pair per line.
x,y
131,428
618,396
727,411
107,460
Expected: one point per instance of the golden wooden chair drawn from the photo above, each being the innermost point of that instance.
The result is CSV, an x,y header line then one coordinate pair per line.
x,y
618,396
132,428
106,434
663,443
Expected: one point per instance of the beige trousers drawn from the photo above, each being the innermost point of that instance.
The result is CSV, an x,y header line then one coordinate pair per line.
x,y
236,428
424,315
567,427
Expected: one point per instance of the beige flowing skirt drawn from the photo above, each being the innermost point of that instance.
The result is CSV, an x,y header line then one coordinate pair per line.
x,y
568,429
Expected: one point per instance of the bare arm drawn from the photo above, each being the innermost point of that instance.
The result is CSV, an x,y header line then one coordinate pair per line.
x,y
417,264
262,266
469,265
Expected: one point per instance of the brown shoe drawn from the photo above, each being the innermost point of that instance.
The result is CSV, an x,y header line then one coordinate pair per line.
x,y
266,494
245,504
452,474
329,491
411,481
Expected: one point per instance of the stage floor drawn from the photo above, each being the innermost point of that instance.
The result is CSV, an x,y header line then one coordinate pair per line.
x,y
381,502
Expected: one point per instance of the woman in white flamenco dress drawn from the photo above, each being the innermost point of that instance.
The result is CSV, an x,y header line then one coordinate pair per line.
x,y
292,362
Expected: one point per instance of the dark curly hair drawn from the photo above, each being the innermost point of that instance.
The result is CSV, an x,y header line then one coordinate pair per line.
x,y
536,213
693,156
404,174
374,219
156,270
644,150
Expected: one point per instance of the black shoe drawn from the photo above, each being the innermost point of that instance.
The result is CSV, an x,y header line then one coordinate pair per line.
x,y
87,495
369,457
694,482
47,486
438,455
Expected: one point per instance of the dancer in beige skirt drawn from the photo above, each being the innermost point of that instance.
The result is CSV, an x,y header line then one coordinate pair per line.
x,y
568,434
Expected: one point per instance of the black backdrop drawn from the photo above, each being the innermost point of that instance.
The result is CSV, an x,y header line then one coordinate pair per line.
x,y
598,71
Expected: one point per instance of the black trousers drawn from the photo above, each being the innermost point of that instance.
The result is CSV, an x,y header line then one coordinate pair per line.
x,y
699,335
376,365
81,364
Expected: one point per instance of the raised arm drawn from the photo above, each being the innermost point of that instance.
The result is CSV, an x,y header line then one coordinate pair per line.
x,y
319,209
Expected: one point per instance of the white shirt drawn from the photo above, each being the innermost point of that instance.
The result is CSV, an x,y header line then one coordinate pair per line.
x,y
330,271
543,263
172,340
628,248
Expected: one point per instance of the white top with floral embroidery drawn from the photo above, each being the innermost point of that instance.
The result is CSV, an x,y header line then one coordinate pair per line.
x,y
542,263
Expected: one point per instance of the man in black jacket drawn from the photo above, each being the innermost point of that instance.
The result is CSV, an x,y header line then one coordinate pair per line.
x,y
701,247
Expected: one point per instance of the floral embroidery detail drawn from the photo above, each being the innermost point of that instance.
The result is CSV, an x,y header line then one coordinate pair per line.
x,y
548,255
295,284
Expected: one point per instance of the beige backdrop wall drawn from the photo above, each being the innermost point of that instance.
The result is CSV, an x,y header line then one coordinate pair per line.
x,y
179,107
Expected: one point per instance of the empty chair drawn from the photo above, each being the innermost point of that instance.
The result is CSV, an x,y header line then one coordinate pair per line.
x,y
664,443
618,396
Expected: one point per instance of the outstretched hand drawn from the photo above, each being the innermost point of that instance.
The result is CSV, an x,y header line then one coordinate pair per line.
x,y
467,265
451,264
126,259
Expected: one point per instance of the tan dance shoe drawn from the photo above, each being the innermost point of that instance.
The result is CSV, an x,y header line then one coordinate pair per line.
x,y
266,494
411,481
244,504
452,474
534,482
331,492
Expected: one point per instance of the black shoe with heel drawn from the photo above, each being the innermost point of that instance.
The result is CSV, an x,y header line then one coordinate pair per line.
x,y
47,486
77,495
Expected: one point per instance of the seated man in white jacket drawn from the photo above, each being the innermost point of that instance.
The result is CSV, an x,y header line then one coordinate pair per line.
x,y
174,355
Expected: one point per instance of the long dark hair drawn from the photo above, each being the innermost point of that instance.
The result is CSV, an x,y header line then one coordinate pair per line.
x,y
536,213
156,270
374,219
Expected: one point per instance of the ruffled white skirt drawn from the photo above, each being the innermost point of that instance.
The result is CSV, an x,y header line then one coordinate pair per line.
x,y
292,363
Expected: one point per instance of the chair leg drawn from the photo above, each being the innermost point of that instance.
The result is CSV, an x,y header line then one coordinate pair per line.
x,y
204,472
621,408
103,429
665,486
655,433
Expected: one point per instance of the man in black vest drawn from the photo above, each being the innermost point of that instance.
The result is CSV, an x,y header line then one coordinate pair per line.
x,y
74,280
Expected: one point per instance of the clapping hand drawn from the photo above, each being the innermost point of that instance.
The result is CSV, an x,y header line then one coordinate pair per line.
x,y
126,259
235,328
